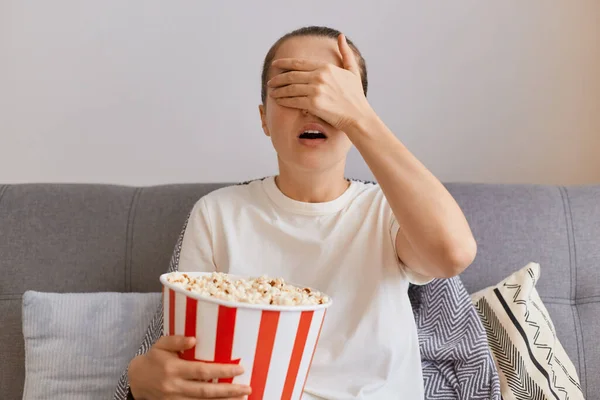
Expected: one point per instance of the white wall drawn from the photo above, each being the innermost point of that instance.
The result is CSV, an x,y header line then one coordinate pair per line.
x,y
148,92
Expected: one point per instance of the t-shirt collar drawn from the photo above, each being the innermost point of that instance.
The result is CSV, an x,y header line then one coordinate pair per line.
x,y
299,207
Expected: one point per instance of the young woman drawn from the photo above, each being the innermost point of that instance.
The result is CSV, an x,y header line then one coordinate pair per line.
x,y
360,243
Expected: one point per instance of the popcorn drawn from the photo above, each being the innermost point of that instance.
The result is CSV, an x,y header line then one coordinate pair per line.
x,y
261,290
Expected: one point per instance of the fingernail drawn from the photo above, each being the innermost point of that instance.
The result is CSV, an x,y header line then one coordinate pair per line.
x,y
239,370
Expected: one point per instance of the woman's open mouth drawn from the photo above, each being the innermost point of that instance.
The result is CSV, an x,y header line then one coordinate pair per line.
x,y
312,135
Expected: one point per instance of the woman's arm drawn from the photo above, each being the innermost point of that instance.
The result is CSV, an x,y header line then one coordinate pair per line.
x,y
434,237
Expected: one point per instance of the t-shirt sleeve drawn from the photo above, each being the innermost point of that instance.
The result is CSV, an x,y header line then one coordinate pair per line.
x,y
197,245
412,276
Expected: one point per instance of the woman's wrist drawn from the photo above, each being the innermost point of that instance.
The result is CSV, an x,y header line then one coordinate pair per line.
x,y
366,124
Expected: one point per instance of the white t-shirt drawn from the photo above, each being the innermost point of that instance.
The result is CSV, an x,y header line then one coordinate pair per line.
x,y
368,348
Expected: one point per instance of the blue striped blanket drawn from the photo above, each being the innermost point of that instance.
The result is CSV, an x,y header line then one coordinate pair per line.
x,y
456,359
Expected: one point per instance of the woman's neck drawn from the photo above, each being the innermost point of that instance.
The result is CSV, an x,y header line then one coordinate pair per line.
x,y
312,187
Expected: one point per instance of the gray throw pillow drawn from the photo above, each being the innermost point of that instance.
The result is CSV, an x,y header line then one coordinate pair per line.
x,y
77,344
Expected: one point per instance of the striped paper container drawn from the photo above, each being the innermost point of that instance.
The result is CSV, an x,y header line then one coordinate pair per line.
x,y
274,344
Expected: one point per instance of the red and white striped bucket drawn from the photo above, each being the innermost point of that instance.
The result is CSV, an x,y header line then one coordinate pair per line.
x,y
274,344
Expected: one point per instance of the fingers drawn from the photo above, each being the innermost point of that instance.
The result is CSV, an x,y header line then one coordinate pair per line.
x,y
202,371
220,398
175,343
204,390
294,91
290,77
348,57
297,64
303,103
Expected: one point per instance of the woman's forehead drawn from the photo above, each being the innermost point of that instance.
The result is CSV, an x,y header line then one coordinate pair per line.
x,y
311,48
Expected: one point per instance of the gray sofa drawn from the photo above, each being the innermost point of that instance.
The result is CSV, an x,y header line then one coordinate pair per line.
x,y
93,238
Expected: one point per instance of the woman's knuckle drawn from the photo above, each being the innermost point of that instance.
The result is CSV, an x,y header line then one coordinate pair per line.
x,y
201,391
165,386
168,369
202,372
206,391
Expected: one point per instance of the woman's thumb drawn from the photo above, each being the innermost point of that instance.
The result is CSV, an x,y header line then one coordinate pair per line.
x,y
175,343
348,57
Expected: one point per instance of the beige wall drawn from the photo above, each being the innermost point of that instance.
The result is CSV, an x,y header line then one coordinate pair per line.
x,y
148,92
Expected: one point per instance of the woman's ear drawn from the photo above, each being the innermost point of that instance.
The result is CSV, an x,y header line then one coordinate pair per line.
x,y
263,119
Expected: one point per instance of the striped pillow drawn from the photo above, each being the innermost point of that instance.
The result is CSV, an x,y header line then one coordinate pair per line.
x,y
531,362
76,344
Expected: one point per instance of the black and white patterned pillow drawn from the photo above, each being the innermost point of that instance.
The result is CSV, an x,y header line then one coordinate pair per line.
x,y
531,362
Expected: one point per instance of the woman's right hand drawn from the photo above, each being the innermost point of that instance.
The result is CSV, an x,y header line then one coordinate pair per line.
x,y
161,374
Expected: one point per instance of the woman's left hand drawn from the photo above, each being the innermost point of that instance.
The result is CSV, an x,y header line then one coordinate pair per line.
x,y
325,90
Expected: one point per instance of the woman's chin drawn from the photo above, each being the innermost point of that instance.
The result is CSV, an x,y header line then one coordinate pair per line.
x,y
314,163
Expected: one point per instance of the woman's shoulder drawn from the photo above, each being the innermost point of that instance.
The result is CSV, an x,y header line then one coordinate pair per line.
x,y
240,194
368,193
363,181
366,188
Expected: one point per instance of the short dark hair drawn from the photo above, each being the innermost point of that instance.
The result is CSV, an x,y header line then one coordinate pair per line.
x,y
318,31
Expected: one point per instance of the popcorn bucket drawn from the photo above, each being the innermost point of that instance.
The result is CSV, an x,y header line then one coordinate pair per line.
x,y
275,344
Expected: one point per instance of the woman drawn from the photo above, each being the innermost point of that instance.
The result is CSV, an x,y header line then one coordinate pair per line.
x,y
361,243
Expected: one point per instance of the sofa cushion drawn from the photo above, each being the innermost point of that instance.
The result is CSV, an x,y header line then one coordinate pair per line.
x,y
530,359
77,344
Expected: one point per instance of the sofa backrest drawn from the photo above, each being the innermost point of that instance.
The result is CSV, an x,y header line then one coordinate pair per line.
x,y
92,238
